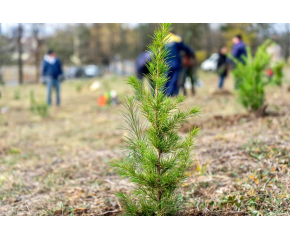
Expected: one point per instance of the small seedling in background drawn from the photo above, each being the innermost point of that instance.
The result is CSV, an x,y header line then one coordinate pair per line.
x,y
32,101
2,83
79,87
158,158
278,73
17,94
40,108
252,74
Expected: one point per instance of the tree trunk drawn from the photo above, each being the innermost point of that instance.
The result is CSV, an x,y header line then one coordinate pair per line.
x,y
36,52
20,63
287,49
1,76
208,39
37,64
97,44
36,30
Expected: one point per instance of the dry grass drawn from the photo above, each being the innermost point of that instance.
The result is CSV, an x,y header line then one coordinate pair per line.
x,y
58,165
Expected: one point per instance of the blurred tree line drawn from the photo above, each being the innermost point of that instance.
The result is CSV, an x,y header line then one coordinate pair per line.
x,y
103,43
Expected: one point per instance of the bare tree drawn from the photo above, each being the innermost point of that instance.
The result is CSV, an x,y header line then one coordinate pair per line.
x,y
95,43
208,36
20,50
1,76
264,30
76,42
36,29
123,44
287,42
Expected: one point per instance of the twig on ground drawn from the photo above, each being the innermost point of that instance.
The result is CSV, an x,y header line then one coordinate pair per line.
x,y
103,214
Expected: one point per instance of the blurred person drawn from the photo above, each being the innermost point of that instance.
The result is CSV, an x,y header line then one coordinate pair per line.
x,y
222,66
141,68
189,70
140,64
238,51
239,48
175,46
51,74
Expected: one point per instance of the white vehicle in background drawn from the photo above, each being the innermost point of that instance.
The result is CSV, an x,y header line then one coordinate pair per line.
x,y
210,64
93,71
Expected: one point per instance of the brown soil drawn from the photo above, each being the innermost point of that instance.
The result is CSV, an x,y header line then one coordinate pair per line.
x,y
60,165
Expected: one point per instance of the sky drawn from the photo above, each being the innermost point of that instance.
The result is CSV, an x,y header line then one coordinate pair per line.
x,y
50,27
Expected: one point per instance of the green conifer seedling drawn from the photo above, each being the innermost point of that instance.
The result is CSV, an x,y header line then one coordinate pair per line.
x,y
157,157
41,108
17,94
252,74
278,73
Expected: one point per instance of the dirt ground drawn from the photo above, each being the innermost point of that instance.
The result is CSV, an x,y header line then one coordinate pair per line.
x,y
59,165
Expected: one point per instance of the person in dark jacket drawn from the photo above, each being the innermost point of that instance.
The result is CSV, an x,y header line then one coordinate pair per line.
x,y
188,71
51,72
140,64
222,66
238,51
239,48
175,46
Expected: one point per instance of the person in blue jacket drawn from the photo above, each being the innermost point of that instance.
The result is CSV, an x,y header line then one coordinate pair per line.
x,y
175,46
238,51
51,72
141,68
239,48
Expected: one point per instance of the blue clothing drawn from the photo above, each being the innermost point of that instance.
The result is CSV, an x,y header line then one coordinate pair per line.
x,y
51,67
175,46
221,82
174,59
140,63
239,50
50,83
51,70
172,88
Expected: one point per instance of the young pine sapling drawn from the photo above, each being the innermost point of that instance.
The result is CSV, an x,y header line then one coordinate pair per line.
x,y
157,157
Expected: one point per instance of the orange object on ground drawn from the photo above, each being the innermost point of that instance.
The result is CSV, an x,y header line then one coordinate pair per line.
x,y
270,72
102,100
